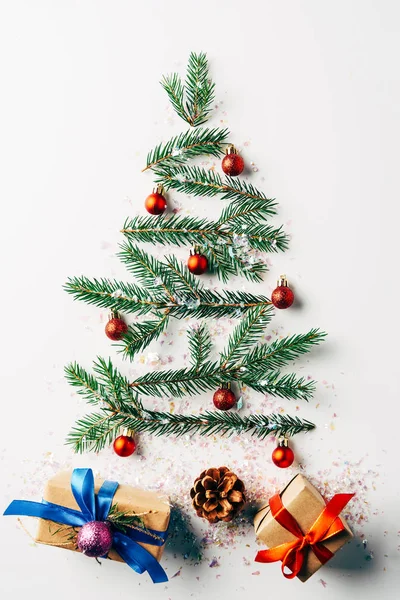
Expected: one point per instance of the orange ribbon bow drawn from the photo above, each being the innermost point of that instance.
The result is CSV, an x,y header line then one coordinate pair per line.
x,y
292,554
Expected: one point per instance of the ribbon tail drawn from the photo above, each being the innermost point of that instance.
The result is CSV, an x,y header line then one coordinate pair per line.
x,y
51,512
71,511
291,555
274,554
322,553
138,558
293,560
328,522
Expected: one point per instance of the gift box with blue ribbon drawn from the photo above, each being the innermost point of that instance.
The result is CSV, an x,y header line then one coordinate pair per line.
x,y
72,500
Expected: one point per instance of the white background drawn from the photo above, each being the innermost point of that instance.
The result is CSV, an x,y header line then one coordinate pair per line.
x,y
311,93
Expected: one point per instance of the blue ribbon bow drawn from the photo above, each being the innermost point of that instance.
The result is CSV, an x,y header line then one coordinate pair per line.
x,y
95,507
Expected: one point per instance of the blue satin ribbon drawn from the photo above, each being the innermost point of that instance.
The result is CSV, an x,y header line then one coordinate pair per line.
x,y
96,507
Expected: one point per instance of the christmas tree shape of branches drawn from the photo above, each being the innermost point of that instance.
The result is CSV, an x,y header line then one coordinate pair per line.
x,y
166,289
231,243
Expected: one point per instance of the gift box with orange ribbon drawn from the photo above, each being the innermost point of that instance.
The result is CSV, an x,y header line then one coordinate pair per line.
x,y
301,529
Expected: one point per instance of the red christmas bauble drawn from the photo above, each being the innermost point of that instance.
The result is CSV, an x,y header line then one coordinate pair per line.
x,y
197,264
124,445
282,296
155,204
116,329
224,399
232,164
282,456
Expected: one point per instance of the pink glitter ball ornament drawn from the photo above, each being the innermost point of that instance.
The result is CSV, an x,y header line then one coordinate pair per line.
x,y
95,538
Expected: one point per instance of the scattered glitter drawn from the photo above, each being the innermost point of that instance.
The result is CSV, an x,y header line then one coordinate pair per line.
x,y
177,574
214,563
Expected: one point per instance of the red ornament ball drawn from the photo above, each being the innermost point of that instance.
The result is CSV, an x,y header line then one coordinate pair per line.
x,y
282,457
124,445
155,204
197,264
116,329
282,296
232,164
224,399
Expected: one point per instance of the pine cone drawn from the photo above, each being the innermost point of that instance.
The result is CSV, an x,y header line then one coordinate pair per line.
x,y
218,495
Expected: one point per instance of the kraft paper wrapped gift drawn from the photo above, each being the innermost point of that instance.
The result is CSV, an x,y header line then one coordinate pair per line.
x,y
129,499
305,504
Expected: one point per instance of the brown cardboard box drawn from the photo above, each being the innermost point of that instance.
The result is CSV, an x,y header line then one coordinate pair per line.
x,y
305,503
132,500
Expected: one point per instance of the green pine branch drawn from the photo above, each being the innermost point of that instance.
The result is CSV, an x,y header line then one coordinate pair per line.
x,y
112,294
86,385
182,230
125,520
245,211
173,85
199,89
150,272
113,395
192,100
140,335
281,352
123,297
191,143
201,182
246,334
231,244
167,286
227,261
222,423
96,430
199,345
182,382
116,386
186,284
282,386
169,291
235,365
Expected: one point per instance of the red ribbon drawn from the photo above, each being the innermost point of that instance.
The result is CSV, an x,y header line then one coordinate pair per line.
x,y
293,554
